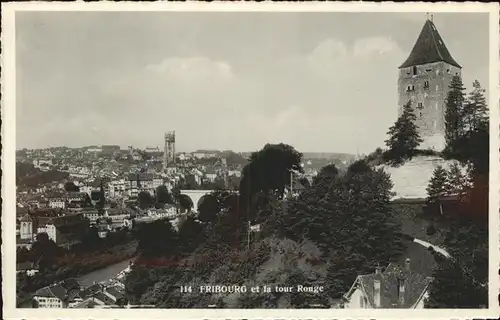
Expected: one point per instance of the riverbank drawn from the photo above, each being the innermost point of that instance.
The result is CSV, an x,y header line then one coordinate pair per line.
x,y
104,274
91,267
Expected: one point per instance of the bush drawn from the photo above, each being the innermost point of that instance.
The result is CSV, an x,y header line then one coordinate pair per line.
x,y
431,230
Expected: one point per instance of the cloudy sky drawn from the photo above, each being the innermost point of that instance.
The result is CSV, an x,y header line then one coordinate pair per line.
x,y
322,82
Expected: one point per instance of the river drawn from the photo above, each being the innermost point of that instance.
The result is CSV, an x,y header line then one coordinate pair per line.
x,y
103,274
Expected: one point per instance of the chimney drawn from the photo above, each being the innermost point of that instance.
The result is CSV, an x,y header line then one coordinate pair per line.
x,y
401,291
376,292
407,264
378,270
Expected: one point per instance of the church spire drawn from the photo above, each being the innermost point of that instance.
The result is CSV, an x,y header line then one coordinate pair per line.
x,y
429,48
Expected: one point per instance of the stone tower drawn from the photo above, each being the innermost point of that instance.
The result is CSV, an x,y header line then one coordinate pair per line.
x,y
424,80
169,150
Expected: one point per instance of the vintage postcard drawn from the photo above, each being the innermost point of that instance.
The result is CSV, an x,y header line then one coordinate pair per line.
x,y
250,160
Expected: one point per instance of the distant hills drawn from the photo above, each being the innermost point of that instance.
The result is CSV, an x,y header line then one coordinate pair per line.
x,y
318,155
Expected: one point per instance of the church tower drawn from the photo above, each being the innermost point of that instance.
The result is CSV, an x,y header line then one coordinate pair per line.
x,y
424,80
169,150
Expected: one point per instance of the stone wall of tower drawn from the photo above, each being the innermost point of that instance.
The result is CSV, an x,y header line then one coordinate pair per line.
x,y
427,86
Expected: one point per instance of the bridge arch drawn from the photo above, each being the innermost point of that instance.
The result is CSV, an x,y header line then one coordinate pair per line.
x,y
197,195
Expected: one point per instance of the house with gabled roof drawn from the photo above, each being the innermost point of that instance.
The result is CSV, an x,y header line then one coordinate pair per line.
x,y
66,230
59,295
114,293
395,287
88,303
50,297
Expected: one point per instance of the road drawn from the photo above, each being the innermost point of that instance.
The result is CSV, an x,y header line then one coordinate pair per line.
x,y
103,274
436,248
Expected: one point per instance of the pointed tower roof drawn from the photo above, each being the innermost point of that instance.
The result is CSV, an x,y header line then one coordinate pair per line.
x,y
429,48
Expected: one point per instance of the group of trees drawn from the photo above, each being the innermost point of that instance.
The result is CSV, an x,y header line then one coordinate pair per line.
x,y
266,175
462,280
466,129
161,198
345,214
467,126
454,181
348,216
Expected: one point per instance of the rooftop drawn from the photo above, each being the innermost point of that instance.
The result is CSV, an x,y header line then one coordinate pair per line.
x,y
415,285
429,48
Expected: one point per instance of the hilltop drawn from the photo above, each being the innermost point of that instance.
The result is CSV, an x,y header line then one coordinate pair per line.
x,y
411,179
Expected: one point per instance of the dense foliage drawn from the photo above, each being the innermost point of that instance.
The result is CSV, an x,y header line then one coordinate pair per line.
x,y
268,172
163,196
462,281
467,126
403,136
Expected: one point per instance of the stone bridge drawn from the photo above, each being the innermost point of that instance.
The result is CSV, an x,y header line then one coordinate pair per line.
x,y
197,195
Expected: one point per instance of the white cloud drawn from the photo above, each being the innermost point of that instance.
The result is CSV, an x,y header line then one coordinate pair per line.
x,y
375,46
327,55
191,69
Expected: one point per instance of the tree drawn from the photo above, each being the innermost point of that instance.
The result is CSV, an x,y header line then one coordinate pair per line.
x,y
268,171
403,136
44,251
208,208
328,172
157,239
455,287
437,185
91,238
219,183
163,196
454,112
456,181
145,200
190,235
473,146
71,187
185,202
475,113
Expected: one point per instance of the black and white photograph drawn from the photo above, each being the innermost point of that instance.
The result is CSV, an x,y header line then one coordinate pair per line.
x,y
251,159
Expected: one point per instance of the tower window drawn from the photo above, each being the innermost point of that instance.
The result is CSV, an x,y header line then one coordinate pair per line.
x,y
426,84
420,114
420,105
414,70
448,70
